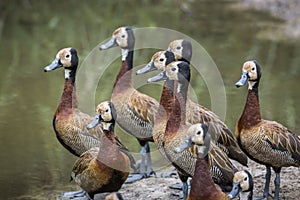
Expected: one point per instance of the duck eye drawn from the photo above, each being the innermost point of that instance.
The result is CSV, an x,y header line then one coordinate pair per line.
x,y
199,132
106,110
161,59
122,36
253,68
178,48
245,179
68,55
173,69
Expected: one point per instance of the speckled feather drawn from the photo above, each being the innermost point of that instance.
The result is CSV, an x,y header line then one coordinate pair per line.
x,y
135,112
95,177
71,131
270,143
225,139
196,113
175,133
221,168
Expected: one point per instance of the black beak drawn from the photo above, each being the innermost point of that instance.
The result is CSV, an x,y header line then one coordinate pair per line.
x,y
243,80
97,120
235,190
54,65
159,77
187,143
148,68
111,43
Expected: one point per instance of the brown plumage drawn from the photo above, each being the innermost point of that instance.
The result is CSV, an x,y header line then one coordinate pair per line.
x,y
198,143
266,142
104,168
69,122
196,113
136,111
175,131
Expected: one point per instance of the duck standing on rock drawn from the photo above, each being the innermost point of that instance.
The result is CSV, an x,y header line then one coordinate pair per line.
x,y
135,110
171,127
196,113
104,168
266,142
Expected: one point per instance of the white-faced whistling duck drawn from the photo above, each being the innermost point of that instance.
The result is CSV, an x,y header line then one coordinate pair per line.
x,y
266,142
196,113
69,122
242,185
136,111
174,130
104,168
198,143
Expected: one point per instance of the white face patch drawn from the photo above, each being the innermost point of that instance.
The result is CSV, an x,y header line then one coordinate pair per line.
x,y
176,47
67,73
122,37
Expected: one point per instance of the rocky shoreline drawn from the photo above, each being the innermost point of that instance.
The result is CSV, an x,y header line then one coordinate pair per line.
x,y
288,11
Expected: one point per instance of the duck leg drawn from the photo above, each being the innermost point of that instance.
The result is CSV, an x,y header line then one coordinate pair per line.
x,y
75,195
146,167
136,177
143,158
149,165
277,186
267,184
185,188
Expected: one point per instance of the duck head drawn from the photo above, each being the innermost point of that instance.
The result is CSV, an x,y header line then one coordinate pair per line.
x,y
243,184
66,58
182,49
177,71
106,114
198,137
251,73
122,37
159,61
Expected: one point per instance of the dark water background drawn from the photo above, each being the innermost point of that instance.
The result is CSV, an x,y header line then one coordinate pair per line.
x,y
33,163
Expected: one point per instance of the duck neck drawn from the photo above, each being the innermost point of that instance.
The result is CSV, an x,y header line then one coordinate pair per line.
x,y
69,98
246,195
178,114
108,142
124,77
251,114
166,102
202,184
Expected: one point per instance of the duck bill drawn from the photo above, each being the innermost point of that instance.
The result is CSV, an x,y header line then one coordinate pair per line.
x,y
159,77
235,190
54,65
109,44
148,68
95,122
243,80
187,143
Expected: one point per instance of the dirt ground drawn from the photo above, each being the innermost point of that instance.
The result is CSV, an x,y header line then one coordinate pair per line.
x,y
158,188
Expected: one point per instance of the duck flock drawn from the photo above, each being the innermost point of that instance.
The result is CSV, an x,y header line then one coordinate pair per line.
x,y
193,138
